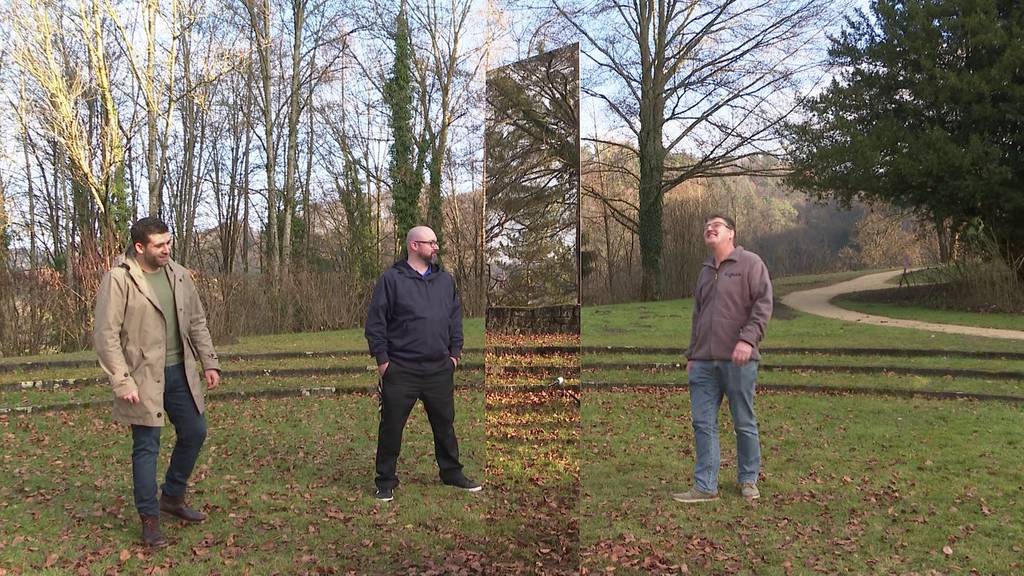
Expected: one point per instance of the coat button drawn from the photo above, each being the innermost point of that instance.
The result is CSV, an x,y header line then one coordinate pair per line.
x,y
159,415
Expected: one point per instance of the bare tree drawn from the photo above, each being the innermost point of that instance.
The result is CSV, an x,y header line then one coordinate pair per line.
x,y
445,68
231,198
292,147
4,236
156,86
701,86
259,23
192,107
42,53
26,146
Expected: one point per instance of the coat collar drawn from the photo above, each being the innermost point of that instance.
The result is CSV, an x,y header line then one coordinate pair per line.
x,y
135,272
733,256
405,268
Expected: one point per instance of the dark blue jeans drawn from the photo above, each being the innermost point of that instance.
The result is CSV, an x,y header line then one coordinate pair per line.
x,y
190,433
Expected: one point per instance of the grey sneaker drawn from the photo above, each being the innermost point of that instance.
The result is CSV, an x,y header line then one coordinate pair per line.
x,y
464,483
695,495
749,491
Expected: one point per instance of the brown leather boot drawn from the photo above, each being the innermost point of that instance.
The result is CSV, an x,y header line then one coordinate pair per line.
x,y
152,537
176,505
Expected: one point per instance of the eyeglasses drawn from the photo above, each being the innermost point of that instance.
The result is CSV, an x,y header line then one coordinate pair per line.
x,y
433,243
717,225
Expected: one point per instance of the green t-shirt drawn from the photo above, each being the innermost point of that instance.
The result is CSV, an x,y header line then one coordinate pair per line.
x,y
161,286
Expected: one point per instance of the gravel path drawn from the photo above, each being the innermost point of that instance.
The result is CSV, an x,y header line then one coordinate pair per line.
x,y
816,301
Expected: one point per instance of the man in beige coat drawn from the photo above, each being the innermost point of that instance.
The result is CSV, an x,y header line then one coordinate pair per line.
x,y
150,336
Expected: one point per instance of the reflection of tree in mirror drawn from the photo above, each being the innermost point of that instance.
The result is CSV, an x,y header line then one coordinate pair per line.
x,y
532,144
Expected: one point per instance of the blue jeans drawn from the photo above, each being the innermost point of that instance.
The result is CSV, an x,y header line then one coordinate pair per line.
x,y
190,433
710,380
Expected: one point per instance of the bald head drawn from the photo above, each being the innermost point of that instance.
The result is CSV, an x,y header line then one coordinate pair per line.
x,y
420,233
422,247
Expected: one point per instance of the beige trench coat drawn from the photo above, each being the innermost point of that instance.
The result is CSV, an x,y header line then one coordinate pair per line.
x,y
129,339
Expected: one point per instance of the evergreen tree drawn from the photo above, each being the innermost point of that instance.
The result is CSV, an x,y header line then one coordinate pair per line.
x,y
359,219
404,167
928,116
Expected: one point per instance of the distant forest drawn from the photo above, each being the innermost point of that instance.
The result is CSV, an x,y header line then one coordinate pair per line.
x,y
794,234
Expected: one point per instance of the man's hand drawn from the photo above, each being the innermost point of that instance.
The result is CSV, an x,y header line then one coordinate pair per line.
x,y
131,397
455,361
741,354
212,378
689,366
383,368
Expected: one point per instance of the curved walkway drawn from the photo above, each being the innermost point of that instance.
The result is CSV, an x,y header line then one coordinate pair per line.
x,y
816,301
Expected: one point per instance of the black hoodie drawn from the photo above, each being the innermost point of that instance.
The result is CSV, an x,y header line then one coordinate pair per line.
x,y
415,321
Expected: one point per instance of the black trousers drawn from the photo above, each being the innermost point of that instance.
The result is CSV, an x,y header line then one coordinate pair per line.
x,y
400,389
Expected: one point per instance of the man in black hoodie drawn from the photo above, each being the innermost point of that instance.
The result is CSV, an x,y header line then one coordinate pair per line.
x,y
414,330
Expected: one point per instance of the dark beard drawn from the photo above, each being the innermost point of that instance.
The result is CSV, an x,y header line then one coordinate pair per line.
x,y
152,262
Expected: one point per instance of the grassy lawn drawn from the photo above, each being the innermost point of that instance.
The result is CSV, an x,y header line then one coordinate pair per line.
x,y
101,392
826,380
533,440
229,366
668,324
982,319
365,381
289,487
660,324
825,359
533,462
638,377
288,484
849,485
352,339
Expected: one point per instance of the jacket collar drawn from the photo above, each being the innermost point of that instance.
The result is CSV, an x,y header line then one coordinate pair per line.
x,y
732,257
135,272
404,267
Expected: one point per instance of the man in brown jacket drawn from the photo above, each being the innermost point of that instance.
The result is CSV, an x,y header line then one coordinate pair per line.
x,y
731,308
150,336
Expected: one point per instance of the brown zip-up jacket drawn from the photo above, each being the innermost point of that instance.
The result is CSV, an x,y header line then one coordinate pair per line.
x,y
129,338
731,303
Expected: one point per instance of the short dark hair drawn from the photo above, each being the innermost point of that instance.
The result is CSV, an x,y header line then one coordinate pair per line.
x,y
729,222
146,227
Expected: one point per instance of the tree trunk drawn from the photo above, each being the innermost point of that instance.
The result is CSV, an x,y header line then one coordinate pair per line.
x,y
259,20
292,151
153,165
942,234
25,145
246,158
650,218
307,180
